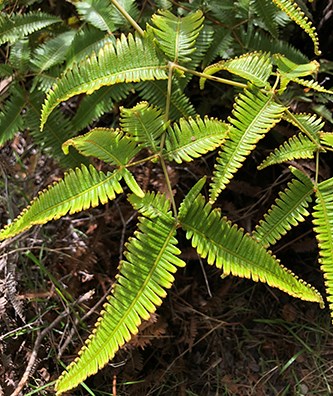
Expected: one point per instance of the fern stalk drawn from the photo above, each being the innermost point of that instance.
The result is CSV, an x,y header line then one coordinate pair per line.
x,y
127,16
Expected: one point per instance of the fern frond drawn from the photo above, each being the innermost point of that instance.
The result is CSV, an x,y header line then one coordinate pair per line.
x,y
97,13
145,274
52,52
108,145
254,114
93,106
309,124
177,36
323,226
312,84
16,26
298,146
222,41
190,197
291,8
20,55
143,123
255,67
88,40
130,59
267,15
80,189
155,92
229,248
292,70
288,210
190,138
152,205
326,138
57,130
260,41
11,120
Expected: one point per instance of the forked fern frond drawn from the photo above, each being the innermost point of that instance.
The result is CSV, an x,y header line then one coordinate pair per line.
x,y
296,147
291,8
288,210
11,120
323,226
131,59
255,67
254,114
145,274
144,124
107,144
230,249
176,36
190,138
79,190
16,26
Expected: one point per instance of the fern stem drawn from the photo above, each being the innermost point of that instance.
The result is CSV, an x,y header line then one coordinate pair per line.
x,y
127,16
317,169
209,77
166,119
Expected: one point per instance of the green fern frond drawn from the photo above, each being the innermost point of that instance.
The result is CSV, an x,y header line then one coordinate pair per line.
x,y
57,130
292,70
260,41
145,124
88,40
255,67
294,12
191,138
254,114
52,52
222,41
298,146
145,274
80,189
266,12
131,59
190,197
155,92
16,26
11,120
288,210
93,106
312,84
229,248
176,36
152,205
108,145
323,226
20,55
326,138
98,13
309,124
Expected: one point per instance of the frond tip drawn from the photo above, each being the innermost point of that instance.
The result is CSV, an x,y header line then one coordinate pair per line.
x,y
79,190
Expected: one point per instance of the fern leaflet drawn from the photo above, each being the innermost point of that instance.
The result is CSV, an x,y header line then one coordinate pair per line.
x,y
79,190
253,115
298,146
176,36
323,226
294,12
151,260
288,210
130,59
255,67
229,248
190,138
14,27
